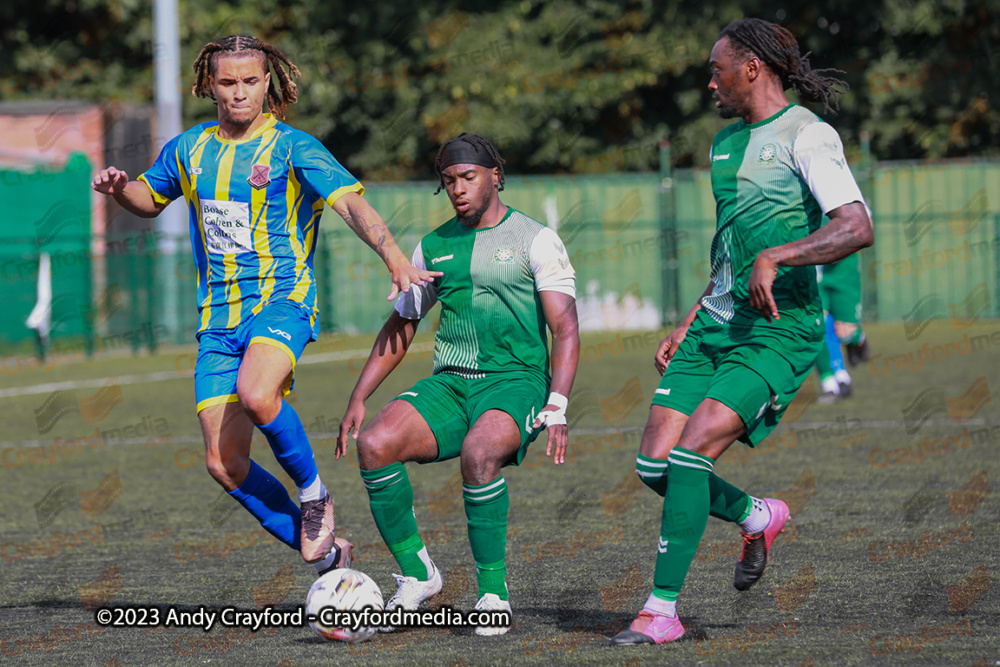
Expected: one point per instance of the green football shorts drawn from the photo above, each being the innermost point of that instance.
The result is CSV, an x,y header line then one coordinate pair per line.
x,y
840,289
451,405
753,370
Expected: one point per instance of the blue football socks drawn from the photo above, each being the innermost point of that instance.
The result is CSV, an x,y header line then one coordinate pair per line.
x,y
291,448
266,499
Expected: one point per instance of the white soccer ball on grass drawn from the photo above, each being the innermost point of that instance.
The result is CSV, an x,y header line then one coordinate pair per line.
x,y
342,589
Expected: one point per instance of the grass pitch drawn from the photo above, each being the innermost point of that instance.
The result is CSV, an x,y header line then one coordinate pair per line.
x,y
890,556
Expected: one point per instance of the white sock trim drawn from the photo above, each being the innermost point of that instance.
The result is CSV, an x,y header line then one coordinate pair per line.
x,y
325,563
662,607
476,492
760,516
314,491
426,560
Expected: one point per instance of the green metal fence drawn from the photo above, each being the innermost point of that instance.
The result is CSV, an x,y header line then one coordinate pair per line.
x,y
45,210
639,243
610,226
937,237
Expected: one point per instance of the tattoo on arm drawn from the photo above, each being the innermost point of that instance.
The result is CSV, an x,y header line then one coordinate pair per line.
x,y
374,234
839,238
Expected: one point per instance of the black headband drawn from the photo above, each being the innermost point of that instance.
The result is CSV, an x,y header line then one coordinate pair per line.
x,y
462,152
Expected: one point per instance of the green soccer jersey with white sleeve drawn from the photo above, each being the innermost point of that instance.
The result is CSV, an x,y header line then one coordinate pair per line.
x,y
491,312
773,183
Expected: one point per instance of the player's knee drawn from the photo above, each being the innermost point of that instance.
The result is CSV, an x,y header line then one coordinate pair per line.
x,y
374,450
258,402
228,470
217,469
479,465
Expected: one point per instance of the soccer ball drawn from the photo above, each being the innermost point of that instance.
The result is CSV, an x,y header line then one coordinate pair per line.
x,y
345,590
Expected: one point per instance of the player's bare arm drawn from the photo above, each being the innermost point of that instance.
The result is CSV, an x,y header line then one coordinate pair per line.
x,y
390,347
668,346
133,196
849,230
561,318
370,228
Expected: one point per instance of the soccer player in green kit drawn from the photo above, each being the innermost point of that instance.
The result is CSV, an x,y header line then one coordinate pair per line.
x,y
840,288
505,278
739,356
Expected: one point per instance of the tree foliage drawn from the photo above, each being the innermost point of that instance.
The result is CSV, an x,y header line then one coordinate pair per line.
x,y
559,85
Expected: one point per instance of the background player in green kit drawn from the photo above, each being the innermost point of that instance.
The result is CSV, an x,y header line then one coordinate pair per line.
x,y
739,356
505,277
840,289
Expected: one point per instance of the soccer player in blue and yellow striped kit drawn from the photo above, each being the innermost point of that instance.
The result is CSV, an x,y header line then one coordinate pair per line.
x,y
255,189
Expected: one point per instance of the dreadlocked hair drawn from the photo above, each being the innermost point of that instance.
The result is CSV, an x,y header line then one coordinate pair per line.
x,y
779,50
204,67
476,142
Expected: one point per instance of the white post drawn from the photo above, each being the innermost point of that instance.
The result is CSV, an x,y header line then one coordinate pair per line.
x,y
172,223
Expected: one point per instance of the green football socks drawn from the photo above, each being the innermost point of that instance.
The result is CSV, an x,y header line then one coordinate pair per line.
x,y
653,473
391,497
728,502
486,507
685,515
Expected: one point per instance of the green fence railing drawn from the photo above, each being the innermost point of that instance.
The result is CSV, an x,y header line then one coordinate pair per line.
x,y
45,210
639,243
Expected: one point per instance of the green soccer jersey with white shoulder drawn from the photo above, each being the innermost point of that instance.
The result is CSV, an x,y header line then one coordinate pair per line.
x,y
491,312
773,182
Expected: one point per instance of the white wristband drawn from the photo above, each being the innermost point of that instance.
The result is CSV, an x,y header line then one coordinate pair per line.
x,y
557,416
558,400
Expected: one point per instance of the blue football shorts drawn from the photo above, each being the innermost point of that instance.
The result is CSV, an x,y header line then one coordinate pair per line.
x,y
285,325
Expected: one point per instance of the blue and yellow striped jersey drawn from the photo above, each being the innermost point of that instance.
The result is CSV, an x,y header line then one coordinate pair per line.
x,y
254,206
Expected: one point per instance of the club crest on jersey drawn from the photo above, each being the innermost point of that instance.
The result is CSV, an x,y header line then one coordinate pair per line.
x,y
260,176
505,255
767,153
